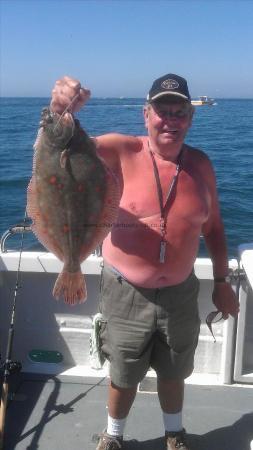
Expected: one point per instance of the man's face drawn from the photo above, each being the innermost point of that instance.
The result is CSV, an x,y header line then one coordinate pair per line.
x,y
168,121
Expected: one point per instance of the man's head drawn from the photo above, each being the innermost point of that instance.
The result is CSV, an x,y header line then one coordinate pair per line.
x,y
168,111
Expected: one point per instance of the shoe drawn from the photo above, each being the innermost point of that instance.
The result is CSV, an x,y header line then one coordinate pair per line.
x,y
108,442
176,440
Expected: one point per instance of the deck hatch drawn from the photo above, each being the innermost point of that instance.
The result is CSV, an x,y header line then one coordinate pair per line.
x,y
45,356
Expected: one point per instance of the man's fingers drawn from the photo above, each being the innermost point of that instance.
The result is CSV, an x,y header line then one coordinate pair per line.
x,y
59,103
71,82
68,93
84,93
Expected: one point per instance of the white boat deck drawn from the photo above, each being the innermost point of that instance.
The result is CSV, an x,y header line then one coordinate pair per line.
x,y
51,415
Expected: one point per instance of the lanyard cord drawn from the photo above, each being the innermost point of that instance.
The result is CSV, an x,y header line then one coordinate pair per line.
x,y
163,243
159,186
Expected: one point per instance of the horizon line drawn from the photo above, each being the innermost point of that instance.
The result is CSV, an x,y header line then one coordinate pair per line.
x,y
119,97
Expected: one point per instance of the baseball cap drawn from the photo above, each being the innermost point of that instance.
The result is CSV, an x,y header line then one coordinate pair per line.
x,y
169,84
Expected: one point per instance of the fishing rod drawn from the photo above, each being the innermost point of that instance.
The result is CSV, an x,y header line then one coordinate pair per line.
x,y
10,366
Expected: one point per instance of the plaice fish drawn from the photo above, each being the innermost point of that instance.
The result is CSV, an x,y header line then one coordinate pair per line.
x,y
72,198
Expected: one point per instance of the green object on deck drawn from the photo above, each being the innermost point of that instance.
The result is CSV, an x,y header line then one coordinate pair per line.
x,y
45,356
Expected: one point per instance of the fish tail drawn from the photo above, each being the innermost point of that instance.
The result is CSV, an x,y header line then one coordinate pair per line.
x,y
71,286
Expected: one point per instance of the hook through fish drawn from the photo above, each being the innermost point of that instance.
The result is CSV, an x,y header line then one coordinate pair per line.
x,y
65,110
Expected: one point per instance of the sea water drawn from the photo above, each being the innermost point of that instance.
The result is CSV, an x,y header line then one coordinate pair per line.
x,y
224,131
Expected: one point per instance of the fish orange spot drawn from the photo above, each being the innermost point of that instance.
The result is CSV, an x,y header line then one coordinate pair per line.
x,y
80,188
53,179
66,228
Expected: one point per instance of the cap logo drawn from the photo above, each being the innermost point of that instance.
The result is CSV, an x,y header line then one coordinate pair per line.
x,y
169,84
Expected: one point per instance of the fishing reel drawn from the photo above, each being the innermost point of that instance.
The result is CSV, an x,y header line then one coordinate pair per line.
x,y
11,367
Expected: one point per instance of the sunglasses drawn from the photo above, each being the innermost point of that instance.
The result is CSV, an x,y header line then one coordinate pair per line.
x,y
213,317
168,114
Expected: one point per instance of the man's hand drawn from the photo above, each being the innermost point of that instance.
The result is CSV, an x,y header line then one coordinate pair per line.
x,y
225,300
68,93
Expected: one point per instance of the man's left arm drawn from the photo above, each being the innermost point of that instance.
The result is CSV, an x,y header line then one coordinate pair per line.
x,y
224,297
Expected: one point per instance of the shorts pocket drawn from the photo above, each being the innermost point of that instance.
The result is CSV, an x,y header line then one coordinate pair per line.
x,y
116,298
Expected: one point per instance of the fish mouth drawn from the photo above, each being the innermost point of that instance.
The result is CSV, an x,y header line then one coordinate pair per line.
x,y
67,119
62,123
56,122
59,128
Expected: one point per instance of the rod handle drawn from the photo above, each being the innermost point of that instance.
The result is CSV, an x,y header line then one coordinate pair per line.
x,y
3,407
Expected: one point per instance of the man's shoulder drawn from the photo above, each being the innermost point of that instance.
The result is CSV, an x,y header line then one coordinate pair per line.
x,y
116,147
199,162
197,156
195,152
119,141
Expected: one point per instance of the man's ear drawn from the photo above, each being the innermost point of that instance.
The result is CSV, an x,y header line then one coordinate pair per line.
x,y
145,115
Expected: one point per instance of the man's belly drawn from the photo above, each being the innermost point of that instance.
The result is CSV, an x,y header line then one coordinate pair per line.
x,y
135,250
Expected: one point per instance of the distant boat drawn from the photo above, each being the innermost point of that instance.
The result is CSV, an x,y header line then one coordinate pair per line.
x,y
203,100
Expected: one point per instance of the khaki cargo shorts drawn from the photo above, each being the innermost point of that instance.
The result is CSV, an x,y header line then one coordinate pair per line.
x,y
145,328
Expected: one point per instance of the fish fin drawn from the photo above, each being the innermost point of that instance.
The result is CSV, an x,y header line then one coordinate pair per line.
x,y
71,286
38,138
39,224
63,158
31,206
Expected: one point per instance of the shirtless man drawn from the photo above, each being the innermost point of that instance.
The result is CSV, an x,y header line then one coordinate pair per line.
x,y
149,289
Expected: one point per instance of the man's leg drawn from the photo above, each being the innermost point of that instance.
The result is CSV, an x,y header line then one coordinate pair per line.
x,y
120,401
171,395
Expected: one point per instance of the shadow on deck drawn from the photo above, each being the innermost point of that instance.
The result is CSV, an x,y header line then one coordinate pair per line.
x,y
49,414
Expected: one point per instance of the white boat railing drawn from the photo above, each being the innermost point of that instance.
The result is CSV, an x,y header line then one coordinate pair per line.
x,y
46,324
243,370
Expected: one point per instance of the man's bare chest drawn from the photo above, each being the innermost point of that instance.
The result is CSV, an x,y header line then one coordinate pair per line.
x,y
187,200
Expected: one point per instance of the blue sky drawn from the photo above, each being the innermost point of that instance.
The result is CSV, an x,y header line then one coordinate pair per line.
x,y
118,47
